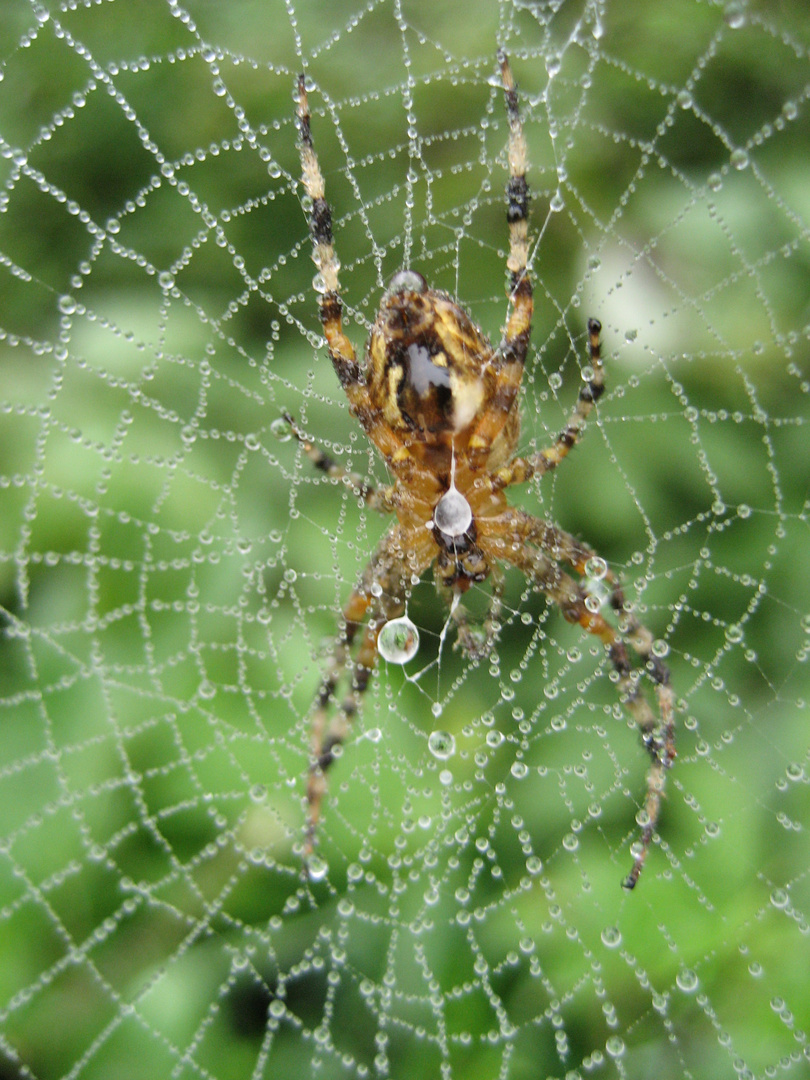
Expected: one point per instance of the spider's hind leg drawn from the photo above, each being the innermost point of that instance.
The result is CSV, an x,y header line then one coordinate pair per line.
x,y
378,597
542,547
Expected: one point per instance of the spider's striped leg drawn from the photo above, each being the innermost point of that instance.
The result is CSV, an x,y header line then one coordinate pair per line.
x,y
380,499
541,546
521,469
379,596
325,737
341,351
510,355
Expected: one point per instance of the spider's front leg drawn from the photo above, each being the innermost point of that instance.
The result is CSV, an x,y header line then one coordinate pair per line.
x,y
341,351
521,469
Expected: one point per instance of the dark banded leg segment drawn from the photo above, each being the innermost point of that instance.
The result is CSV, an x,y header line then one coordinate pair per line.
x,y
341,350
380,499
542,547
520,469
379,596
510,356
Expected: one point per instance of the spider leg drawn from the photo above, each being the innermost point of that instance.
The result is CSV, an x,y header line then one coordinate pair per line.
x,y
379,596
341,351
510,356
380,499
536,548
521,469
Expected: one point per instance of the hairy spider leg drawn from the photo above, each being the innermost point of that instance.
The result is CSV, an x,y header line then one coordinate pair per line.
x,y
521,469
341,351
379,499
510,356
379,596
536,547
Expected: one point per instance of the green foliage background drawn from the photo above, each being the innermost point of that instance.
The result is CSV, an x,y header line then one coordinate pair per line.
x,y
133,760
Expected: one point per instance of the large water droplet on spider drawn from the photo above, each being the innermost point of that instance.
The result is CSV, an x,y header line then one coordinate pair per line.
x,y
398,641
453,514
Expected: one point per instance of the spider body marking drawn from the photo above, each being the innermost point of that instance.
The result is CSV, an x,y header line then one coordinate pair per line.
x,y
441,404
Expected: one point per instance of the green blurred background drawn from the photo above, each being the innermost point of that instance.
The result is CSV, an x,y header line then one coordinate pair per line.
x,y
171,568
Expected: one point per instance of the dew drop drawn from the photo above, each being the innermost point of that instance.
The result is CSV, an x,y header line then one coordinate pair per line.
x,y
739,158
453,514
687,980
596,568
280,429
734,15
398,641
615,1046
611,937
441,744
317,868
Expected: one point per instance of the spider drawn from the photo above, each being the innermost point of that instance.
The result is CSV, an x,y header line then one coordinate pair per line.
x,y
442,407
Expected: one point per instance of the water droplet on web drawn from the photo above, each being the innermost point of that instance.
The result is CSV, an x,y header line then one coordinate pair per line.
x,y
734,15
596,568
280,429
317,868
715,181
441,744
779,898
739,158
166,280
687,980
611,937
398,640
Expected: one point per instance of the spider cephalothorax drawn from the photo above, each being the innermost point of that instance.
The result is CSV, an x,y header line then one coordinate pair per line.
x,y
441,405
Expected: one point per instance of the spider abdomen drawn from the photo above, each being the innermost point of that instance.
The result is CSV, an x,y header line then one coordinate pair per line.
x,y
429,368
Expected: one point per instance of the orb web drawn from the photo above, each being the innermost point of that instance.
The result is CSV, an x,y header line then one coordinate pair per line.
x,y
174,569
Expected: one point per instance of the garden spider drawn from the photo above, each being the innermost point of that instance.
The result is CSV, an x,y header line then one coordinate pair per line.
x,y
442,407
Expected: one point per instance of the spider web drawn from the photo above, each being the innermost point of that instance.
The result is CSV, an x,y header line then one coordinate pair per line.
x,y
172,567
